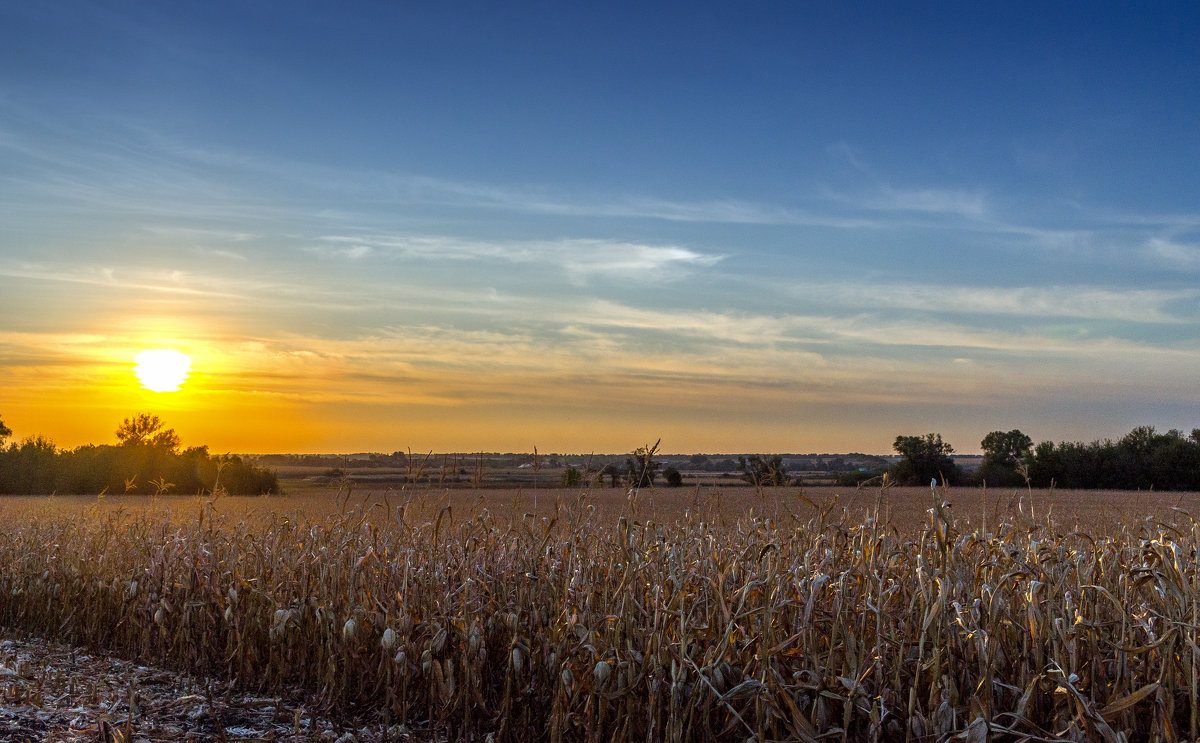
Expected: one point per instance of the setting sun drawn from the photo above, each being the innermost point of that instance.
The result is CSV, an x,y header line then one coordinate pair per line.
x,y
162,370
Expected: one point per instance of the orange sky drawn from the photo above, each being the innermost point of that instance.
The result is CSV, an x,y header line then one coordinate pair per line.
x,y
426,387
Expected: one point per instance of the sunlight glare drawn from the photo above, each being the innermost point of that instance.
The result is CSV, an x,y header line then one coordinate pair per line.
x,y
162,370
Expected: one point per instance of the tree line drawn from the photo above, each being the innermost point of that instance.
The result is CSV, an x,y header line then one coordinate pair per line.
x,y
147,459
1143,459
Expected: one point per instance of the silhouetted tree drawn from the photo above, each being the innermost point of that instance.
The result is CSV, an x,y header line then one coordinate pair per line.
x,y
5,432
926,458
31,466
1003,452
673,477
144,429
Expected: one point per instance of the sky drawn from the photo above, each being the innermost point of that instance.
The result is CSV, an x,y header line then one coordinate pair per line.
x,y
775,227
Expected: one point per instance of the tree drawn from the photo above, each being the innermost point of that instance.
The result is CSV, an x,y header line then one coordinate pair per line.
x,y
1047,466
762,471
1140,441
673,477
926,458
144,429
5,432
640,467
571,477
1002,453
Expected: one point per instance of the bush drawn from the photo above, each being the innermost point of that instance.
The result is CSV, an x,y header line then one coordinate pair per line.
x,y
763,471
857,477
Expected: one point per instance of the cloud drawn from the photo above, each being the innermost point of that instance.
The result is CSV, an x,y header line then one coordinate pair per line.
x,y
199,235
881,195
867,206
129,167
1082,302
1182,256
859,337
967,204
579,258
140,280
583,258
353,251
231,255
418,189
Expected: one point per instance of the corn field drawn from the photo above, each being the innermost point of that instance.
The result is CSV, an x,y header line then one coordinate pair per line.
x,y
807,624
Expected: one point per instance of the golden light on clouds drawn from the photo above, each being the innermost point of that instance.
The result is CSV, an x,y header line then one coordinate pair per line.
x,y
162,370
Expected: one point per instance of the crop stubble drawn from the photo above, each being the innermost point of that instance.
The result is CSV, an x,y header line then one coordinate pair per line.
x,y
661,615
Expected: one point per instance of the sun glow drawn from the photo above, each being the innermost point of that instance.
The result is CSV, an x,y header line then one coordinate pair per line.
x,y
162,370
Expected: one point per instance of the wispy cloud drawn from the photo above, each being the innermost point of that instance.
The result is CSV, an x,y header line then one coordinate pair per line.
x,y
578,258
539,201
967,204
1082,302
352,250
1178,255
879,194
218,253
200,235
167,282
128,167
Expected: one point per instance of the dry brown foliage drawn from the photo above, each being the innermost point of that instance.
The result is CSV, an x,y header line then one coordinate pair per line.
x,y
798,619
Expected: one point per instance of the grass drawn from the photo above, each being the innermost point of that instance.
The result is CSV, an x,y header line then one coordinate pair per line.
x,y
664,615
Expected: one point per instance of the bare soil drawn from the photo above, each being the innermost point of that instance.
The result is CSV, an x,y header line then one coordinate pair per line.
x,y
51,692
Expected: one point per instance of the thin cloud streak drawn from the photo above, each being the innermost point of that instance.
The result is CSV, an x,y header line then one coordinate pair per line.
x,y
873,329
843,318
881,195
963,204
129,168
1081,302
579,258
534,201
1177,255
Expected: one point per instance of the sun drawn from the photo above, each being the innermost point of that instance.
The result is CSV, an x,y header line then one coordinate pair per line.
x,y
162,370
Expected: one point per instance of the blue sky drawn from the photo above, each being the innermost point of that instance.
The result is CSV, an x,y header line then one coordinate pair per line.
x,y
783,227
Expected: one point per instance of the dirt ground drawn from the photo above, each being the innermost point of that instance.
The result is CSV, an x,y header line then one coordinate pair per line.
x,y
61,694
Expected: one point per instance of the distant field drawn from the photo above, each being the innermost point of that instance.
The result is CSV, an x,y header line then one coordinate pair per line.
x,y
905,508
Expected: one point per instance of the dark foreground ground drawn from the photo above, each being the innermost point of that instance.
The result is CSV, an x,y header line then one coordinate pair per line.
x,y
57,693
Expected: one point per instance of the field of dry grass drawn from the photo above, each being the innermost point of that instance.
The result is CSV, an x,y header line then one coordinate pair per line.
x,y
905,508
670,615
